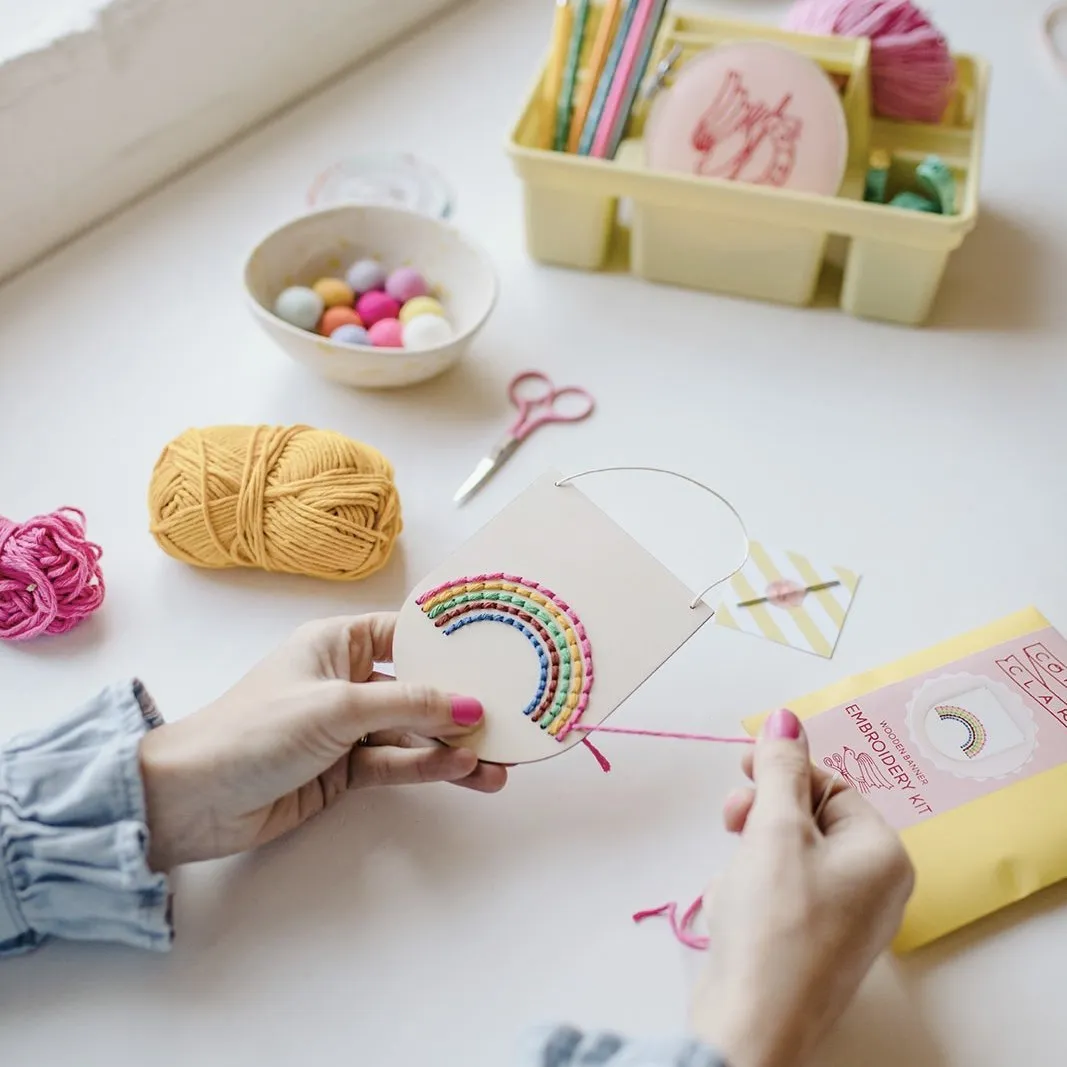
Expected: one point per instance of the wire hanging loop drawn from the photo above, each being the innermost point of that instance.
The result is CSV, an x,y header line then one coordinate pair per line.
x,y
695,602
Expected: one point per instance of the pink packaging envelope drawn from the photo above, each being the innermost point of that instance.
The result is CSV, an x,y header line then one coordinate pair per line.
x,y
751,112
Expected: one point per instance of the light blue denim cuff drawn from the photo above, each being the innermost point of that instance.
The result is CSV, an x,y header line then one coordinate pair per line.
x,y
565,1046
73,830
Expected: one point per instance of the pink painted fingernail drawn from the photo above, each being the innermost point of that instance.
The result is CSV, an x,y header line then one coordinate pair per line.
x,y
466,711
783,725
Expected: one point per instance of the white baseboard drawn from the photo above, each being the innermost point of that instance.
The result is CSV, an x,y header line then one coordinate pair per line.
x,y
109,100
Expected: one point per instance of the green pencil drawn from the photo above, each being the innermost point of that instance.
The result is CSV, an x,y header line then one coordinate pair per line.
x,y
565,107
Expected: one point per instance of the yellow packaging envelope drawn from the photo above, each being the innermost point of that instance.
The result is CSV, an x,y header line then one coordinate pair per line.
x,y
963,749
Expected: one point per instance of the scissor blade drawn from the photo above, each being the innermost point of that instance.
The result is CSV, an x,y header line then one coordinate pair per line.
x,y
488,466
478,477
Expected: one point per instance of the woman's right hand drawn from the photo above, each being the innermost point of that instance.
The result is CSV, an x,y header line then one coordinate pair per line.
x,y
803,911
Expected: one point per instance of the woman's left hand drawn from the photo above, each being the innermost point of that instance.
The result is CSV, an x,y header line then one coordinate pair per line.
x,y
311,721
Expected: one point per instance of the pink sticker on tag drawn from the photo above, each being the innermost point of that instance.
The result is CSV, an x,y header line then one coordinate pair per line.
x,y
948,736
755,113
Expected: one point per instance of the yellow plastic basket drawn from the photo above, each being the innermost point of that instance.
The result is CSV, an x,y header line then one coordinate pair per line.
x,y
755,241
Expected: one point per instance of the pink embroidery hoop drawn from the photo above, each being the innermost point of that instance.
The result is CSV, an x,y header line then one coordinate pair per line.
x,y
752,112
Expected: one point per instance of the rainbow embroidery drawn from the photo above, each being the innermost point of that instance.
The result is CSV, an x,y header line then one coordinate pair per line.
x,y
976,735
549,623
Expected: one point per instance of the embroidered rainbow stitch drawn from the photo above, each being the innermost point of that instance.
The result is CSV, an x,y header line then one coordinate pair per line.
x,y
976,735
548,622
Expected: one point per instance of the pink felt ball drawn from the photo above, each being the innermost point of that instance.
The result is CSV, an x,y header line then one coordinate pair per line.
x,y
913,74
375,306
406,283
387,333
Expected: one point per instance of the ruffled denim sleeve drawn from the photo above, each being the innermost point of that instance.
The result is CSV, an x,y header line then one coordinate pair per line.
x,y
565,1046
73,831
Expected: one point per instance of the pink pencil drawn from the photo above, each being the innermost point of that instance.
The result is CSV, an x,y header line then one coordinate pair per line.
x,y
619,83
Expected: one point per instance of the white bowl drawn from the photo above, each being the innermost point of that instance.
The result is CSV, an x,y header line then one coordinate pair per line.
x,y
325,243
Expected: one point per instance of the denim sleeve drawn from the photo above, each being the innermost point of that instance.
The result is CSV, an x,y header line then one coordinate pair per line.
x,y
73,831
564,1046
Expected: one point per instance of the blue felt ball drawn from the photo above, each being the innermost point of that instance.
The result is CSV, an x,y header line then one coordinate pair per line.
x,y
299,306
350,334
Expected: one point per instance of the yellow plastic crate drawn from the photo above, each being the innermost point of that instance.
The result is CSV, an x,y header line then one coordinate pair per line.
x,y
756,241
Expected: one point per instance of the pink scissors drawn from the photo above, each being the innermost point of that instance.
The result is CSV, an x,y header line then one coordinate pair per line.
x,y
538,402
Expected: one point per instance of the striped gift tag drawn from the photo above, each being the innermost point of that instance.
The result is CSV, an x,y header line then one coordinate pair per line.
x,y
787,613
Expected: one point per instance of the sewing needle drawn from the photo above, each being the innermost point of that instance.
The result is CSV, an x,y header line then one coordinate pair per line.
x,y
807,589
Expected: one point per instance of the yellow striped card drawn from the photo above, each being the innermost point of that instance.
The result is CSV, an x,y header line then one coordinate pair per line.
x,y
788,598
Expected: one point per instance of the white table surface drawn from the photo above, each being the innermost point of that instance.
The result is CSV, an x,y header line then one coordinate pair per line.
x,y
432,926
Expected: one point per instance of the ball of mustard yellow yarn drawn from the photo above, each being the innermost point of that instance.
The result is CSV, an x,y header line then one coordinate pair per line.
x,y
282,498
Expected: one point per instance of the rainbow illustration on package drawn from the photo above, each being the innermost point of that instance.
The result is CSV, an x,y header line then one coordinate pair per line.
x,y
547,621
976,732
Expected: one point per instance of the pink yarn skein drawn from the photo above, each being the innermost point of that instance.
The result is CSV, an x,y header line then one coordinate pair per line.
x,y
913,74
50,578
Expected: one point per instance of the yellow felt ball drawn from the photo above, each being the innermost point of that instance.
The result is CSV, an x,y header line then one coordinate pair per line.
x,y
334,292
281,498
420,305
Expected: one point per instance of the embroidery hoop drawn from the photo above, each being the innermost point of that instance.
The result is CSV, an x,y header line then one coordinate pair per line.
x,y
696,601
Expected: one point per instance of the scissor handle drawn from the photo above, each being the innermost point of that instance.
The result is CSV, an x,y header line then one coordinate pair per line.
x,y
544,401
530,387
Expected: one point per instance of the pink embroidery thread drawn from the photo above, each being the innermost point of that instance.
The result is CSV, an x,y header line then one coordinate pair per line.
x,y
50,577
680,929
667,734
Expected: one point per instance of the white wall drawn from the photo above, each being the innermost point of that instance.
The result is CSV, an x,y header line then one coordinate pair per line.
x,y
102,99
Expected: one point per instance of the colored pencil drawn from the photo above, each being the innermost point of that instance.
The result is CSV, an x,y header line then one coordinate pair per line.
x,y
609,22
596,109
553,83
565,107
620,83
648,44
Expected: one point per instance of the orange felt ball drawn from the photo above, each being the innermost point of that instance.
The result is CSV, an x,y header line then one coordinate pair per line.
x,y
338,316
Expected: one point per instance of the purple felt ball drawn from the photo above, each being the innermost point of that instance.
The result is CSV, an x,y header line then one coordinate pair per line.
x,y
366,275
350,334
406,283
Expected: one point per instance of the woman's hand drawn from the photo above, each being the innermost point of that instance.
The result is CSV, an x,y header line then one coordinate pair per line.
x,y
311,721
802,912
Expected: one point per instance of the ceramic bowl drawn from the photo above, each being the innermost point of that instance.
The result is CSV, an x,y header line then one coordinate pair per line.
x,y
324,243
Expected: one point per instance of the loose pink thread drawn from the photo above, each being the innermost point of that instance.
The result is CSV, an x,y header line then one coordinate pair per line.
x,y
584,728
50,577
605,763
680,929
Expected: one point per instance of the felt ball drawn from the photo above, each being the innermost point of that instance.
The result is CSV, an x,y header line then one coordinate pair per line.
x,y
913,74
299,306
366,275
387,333
406,283
420,305
338,316
350,334
332,510
50,577
427,331
334,292
375,306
